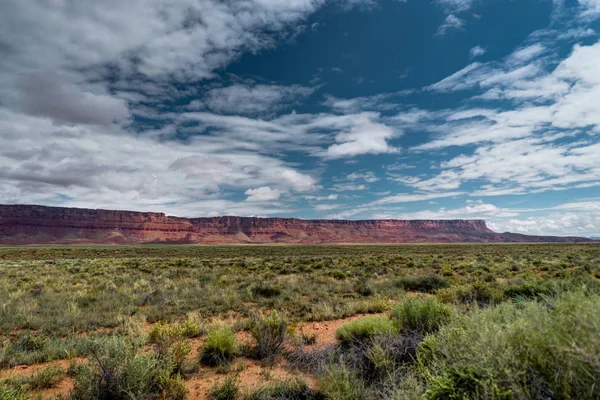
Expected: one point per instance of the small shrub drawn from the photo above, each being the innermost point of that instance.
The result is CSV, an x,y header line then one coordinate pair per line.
x,y
31,343
228,390
337,274
47,377
529,290
415,315
363,329
118,371
481,293
12,394
292,389
164,336
266,290
269,332
426,284
341,383
220,347
364,288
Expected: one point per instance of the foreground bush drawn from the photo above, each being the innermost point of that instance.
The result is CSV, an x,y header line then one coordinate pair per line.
x,y
219,348
228,390
423,316
119,370
292,389
11,394
269,333
529,350
426,284
364,329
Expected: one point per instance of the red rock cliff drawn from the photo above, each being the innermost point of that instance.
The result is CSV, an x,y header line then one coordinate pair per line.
x,y
32,224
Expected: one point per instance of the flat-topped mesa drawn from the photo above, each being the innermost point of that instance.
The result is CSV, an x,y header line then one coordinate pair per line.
x,y
33,224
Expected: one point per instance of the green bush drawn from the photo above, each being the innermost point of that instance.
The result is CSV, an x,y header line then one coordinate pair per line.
x,y
12,394
219,348
529,290
527,350
481,293
426,284
292,389
228,390
269,333
47,377
266,290
118,370
423,316
363,329
341,383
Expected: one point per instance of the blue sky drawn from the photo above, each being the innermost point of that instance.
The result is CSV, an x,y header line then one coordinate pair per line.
x,y
357,109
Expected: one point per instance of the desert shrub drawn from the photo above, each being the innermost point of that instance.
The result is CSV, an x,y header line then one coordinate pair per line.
x,y
47,377
228,390
529,290
118,371
527,350
31,343
268,331
219,348
364,288
481,293
426,284
337,274
364,329
266,290
169,345
341,383
292,390
164,336
7,393
423,316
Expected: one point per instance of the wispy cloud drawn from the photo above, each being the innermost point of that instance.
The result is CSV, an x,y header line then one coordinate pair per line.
x,y
452,22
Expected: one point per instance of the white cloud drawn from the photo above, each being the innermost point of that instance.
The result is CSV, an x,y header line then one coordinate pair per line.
x,y
105,167
367,176
472,210
411,197
326,207
379,102
264,193
455,5
559,224
254,99
364,137
526,54
347,187
351,134
452,22
477,51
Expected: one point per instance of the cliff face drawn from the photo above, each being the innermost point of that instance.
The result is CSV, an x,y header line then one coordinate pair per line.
x,y
31,224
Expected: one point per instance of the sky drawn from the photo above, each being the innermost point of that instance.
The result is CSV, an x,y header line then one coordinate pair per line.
x,y
337,109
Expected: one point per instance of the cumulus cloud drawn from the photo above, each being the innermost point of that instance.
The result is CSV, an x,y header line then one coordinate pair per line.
x,y
66,103
477,51
264,193
364,137
102,167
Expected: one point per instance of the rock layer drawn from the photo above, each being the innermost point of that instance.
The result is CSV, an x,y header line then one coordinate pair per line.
x,y
32,224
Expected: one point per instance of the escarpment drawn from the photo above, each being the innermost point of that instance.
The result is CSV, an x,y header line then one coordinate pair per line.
x,y
33,224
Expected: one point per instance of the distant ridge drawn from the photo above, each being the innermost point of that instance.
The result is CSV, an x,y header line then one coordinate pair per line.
x,y
34,224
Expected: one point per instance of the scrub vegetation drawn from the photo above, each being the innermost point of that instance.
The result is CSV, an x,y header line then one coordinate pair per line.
x,y
450,321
